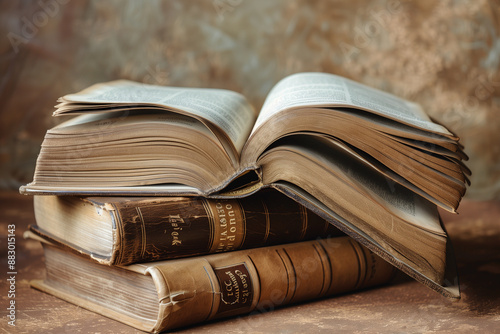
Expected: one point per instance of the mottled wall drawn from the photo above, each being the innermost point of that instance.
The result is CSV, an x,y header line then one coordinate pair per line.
x,y
443,54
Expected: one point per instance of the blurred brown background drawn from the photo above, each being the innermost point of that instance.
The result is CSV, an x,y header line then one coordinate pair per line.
x,y
444,55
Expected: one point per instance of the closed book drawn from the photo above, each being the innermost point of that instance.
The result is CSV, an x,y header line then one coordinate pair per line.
x,y
165,295
124,230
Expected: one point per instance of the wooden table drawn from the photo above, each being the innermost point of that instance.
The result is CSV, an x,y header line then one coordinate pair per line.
x,y
403,307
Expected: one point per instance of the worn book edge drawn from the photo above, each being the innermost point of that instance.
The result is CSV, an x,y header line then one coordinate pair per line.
x,y
91,306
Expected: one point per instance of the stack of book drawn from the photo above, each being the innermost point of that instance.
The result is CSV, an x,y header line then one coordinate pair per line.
x,y
136,190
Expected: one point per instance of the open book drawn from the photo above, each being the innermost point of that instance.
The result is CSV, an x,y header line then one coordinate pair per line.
x,y
373,164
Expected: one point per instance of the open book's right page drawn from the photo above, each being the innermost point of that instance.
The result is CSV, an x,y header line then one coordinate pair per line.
x,y
322,89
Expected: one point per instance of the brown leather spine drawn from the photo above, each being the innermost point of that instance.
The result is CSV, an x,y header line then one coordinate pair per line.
x,y
163,228
258,280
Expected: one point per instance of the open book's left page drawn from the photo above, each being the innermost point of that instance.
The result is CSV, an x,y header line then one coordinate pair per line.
x,y
227,111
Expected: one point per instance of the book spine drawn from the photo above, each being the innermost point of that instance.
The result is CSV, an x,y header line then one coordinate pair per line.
x,y
258,280
166,228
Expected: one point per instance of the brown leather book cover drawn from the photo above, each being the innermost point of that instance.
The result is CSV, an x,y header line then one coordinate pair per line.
x,y
151,229
198,289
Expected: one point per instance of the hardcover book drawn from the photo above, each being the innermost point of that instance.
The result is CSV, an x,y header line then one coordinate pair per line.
x,y
165,295
374,165
124,230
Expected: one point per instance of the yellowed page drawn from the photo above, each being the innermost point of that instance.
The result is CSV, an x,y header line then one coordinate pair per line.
x,y
329,90
227,110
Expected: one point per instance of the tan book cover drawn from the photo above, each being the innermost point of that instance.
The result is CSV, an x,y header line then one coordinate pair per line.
x,y
164,295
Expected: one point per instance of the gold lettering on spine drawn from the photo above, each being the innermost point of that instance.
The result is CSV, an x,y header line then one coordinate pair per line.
x,y
229,225
236,288
176,223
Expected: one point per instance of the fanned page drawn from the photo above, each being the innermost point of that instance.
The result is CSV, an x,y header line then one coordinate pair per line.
x,y
321,89
227,110
393,132
111,149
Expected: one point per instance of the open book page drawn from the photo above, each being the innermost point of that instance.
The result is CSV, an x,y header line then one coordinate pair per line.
x,y
390,175
228,110
132,149
109,127
322,89
398,199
